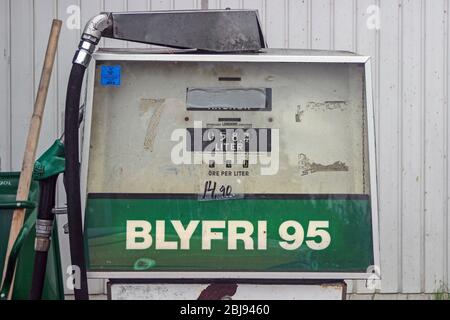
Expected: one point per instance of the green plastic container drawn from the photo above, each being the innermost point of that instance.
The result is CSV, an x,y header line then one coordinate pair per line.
x,y
53,288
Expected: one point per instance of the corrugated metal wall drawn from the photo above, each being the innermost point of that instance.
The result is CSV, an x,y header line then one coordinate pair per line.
x,y
410,49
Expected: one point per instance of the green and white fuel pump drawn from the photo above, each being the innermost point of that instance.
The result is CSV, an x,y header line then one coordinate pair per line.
x,y
220,161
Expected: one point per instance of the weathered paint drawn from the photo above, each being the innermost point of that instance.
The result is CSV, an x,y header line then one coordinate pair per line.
x,y
413,170
238,291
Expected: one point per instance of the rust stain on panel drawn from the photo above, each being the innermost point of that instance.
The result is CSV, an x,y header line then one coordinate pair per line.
x,y
155,105
218,291
226,70
307,167
318,106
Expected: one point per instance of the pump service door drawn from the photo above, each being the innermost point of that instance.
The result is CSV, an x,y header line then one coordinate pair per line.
x,y
230,166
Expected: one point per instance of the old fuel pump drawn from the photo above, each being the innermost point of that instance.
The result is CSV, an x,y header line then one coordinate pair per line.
x,y
220,160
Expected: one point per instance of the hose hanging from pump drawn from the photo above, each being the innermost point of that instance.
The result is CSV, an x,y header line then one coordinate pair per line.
x,y
46,170
44,226
90,38
72,181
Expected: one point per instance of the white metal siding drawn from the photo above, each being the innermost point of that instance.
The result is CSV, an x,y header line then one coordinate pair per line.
x,y
411,85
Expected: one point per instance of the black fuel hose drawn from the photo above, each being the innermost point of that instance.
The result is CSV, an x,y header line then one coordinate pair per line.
x,y
72,180
44,223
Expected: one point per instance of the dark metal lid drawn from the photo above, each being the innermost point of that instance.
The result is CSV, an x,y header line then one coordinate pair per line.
x,y
204,30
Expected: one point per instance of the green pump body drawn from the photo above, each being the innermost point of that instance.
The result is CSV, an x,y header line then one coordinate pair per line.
x,y
49,164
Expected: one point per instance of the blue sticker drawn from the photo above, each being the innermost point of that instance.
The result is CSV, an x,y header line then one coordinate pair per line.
x,y
110,75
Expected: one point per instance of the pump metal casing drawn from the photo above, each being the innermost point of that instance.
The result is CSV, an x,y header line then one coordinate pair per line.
x,y
212,30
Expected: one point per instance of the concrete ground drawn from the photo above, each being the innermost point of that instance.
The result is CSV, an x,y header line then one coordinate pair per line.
x,y
385,296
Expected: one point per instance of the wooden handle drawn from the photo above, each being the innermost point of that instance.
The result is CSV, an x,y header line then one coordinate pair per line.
x,y
32,140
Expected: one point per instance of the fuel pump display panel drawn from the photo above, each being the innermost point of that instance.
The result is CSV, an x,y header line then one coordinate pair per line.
x,y
220,166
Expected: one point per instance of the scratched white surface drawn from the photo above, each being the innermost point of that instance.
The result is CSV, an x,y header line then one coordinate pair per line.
x,y
411,79
153,291
121,163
